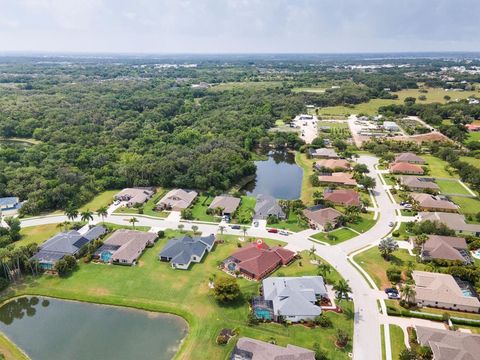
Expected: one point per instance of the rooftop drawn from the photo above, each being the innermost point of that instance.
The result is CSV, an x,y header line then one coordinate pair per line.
x,y
259,350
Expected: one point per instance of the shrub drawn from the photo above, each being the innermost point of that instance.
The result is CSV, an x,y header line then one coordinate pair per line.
x,y
3,283
323,321
394,274
222,340
226,289
161,234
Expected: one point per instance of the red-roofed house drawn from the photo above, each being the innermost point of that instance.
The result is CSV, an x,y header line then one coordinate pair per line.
x,y
405,168
255,261
344,197
472,127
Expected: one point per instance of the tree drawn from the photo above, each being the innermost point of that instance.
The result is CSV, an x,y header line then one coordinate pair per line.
x,y
194,229
367,182
387,246
312,251
361,169
324,269
222,229
132,221
342,289
407,354
319,353
408,293
226,289
181,227
103,213
421,239
71,213
86,215
244,230
14,228
341,338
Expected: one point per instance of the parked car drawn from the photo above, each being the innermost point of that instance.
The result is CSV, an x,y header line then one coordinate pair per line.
x,y
407,206
255,223
235,227
402,203
283,232
274,231
116,202
393,296
391,224
391,290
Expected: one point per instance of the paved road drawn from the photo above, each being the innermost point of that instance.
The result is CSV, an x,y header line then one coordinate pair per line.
x,y
308,129
366,342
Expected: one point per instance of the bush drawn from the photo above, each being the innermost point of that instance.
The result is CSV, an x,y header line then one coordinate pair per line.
x,y
3,283
314,180
222,340
226,289
161,234
394,274
323,321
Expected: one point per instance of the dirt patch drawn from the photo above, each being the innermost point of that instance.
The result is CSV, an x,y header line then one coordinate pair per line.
x,y
99,291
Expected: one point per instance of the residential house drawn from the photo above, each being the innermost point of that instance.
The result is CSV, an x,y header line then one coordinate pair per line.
x,y
453,221
323,153
255,261
410,158
268,206
428,202
135,196
9,203
445,248
443,291
63,244
318,218
448,344
181,252
294,298
405,168
228,204
390,126
415,183
338,178
472,127
124,247
252,349
177,200
345,197
332,164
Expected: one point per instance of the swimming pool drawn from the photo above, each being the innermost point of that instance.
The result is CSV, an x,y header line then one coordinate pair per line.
x,y
476,253
467,292
263,314
231,266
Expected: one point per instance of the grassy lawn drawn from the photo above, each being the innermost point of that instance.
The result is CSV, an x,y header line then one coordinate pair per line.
x,y
375,265
451,187
148,208
309,89
103,199
199,209
307,188
255,85
402,232
382,335
126,226
9,350
471,160
292,224
473,136
365,223
467,205
438,167
337,236
155,286
396,340
246,209
37,234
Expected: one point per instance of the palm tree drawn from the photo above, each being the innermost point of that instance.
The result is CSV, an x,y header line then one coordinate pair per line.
x,y
64,225
421,239
222,229
324,269
408,293
342,289
244,230
312,251
132,221
103,213
86,215
387,246
71,213
180,227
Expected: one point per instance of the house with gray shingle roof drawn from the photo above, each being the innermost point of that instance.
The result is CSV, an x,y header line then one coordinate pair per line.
x,y
9,203
252,349
294,298
63,244
183,251
268,206
446,248
228,204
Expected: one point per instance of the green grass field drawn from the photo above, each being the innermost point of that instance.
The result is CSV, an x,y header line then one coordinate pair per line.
x,y
382,336
292,223
439,168
375,265
9,350
247,206
307,188
103,199
37,234
451,187
397,340
155,286
250,85
473,136
471,160
309,89
337,236
199,209
365,223
467,205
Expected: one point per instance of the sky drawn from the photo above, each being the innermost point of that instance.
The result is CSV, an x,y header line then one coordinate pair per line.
x,y
239,26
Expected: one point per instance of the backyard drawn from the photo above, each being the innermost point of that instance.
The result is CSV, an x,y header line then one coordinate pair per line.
x,y
103,199
438,168
451,187
155,286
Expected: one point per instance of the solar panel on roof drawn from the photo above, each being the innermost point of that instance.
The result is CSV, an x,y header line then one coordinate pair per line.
x,y
81,242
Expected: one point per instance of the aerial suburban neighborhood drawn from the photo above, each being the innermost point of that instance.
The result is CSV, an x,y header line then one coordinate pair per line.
x,y
239,180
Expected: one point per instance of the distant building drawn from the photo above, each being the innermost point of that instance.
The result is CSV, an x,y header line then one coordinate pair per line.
x,y
135,196
414,183
405,168
390,126
268,206
453,221
339,178
9,203
323,153
345,197
252,349
445,248
427,202
409,158
332,164
472,127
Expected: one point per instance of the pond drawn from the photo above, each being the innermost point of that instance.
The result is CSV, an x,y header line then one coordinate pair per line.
x,y
279,176
46,328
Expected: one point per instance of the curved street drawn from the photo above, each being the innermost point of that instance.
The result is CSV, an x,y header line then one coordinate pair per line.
x,y
367,340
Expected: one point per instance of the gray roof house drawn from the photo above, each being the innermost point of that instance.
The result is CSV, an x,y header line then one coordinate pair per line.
x,y
453,221
135,196
9,203
294,297
267,205
445,247
252,349
177,200
65,243
323,153
183,251
449,345
418,183
229,204
124,246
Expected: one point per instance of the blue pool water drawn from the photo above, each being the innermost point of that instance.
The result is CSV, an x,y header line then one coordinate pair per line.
x,y
231,266
106,256
263,314
467,292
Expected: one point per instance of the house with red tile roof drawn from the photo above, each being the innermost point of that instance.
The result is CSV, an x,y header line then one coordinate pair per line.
x,y
345,197
339,178
256,260
406,168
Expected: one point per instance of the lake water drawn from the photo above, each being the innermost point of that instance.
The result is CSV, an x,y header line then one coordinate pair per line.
x,y
279,176
53,329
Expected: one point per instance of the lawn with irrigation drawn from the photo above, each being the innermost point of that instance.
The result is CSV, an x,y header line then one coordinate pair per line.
x,y
336,236
397,341
439,168
155,286
451,187
200,207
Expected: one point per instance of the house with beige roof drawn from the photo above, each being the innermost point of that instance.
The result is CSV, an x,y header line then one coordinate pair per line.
x,y
323,153
443,291
332,164
448,344
177,200
445,248
415,183
135,196
252,349
409,157
338,178
228,204
318,217
405,168
428,202
455,222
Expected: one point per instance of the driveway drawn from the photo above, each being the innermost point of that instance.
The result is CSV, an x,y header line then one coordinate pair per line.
x,y
308,129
